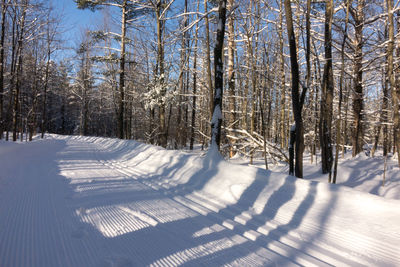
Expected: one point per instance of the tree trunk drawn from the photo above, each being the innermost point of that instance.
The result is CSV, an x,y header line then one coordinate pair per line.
x,y
13,64
183,71
32,115
292,141
357,135
297,99
263,130
192,134
231,73
160,64
208,62
308,60
43,127
345,121
325,126
385,119
252,53
3,27
216,119
121,104
283,118
339,120
316,106
395,88
18,73
245,100
308,42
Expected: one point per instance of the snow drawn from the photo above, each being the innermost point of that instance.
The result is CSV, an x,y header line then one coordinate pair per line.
x,y
219,27
362,173
88,201
216,117
217,114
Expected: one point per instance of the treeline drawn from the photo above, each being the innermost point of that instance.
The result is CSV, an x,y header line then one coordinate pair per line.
x,y
327,70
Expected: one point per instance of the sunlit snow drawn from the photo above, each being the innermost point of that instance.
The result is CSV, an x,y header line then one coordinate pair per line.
x,y
88,201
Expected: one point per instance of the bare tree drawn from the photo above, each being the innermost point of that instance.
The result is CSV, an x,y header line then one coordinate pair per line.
x,y
297,98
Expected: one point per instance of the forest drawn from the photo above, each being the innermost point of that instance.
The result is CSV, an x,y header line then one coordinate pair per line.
x,y
259,78
174,132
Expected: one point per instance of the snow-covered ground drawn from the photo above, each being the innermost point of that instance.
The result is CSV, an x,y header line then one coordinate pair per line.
x,y
85,201
362,172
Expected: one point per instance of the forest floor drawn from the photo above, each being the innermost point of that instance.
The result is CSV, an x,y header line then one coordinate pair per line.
x,y
87,201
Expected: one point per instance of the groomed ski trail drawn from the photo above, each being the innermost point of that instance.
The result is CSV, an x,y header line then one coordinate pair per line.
x,y
69,202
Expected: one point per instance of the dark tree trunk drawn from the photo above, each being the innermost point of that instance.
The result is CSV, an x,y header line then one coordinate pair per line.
x,y
325,125
216,119
121,107
292,141
297,99
357,134
231,73
160,64
32,115
3,26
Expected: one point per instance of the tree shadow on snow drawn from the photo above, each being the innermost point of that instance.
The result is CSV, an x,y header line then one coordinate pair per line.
x,y
206,239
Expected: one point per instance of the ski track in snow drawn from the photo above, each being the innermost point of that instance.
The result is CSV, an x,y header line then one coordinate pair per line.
x,y
69,203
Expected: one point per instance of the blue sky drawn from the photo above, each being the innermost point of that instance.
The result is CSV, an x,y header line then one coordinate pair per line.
x,y
74,19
